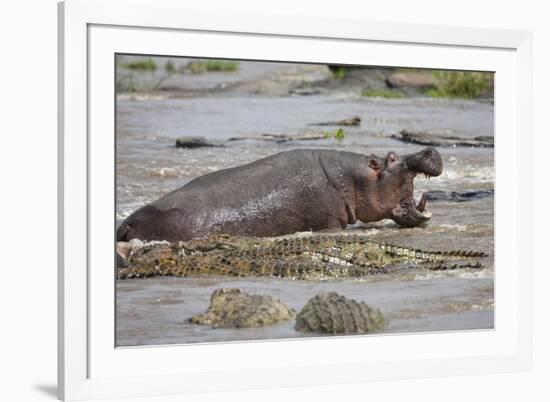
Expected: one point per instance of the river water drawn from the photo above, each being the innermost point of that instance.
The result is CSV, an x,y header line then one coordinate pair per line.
x,y
154,311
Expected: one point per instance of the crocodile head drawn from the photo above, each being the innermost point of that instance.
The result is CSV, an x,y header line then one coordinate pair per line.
x,y
396,180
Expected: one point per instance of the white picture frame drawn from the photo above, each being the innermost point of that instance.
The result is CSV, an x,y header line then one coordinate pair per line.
x,y
91,32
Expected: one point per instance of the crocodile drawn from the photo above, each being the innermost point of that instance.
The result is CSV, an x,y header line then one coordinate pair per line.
x,y
336,314
300,257
233,308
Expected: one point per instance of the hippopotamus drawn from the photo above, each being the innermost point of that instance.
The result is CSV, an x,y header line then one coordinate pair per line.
x,y
292,191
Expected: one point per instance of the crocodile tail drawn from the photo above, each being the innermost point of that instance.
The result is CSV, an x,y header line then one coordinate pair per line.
x,y
427,255
445,265
449,255
464,254
410,253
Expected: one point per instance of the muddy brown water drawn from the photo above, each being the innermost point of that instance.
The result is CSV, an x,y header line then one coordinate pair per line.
x,y
154,311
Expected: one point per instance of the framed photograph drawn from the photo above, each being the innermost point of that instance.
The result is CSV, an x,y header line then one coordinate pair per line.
x,y
256,201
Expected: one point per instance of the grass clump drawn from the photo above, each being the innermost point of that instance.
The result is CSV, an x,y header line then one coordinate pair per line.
x,y
141,65
170,67
382,93
339,134
460,84
339,72
202,66
126,83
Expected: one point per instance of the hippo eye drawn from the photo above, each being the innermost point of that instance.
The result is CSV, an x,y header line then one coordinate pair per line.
x,y
428,153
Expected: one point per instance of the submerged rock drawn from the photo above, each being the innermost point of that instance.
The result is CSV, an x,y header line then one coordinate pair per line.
x,y
193,142
335,314
232,308
438,195
436,140
281,137
352,121
306,91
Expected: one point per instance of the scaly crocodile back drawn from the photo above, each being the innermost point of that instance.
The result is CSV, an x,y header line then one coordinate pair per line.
x,y
306,257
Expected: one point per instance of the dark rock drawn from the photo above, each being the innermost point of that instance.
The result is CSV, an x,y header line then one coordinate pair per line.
x,y
306,91
353,121
281,137
232,308
436,140
413,79
438,195
335,314
193,142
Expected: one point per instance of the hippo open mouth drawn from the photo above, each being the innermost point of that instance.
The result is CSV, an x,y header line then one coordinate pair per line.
x,y
428,162
409,212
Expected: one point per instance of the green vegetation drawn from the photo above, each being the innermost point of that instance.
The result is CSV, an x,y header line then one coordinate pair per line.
x,y
139,75
126,83
408,69
169,67
382,93
202,66
339,134
340,72
460,84
142,65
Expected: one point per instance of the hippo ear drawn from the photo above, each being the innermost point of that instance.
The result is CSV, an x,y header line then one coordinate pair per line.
x,y
375,164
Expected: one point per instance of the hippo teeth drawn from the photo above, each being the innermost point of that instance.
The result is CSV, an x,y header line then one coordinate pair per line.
x,y
422,203
426,214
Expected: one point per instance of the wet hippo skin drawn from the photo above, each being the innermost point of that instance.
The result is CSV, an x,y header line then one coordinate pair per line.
x,y
288,192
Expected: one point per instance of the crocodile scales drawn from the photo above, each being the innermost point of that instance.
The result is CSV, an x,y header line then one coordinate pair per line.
x,y
307,257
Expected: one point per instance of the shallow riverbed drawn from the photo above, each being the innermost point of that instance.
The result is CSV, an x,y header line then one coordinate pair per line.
x,y
153,311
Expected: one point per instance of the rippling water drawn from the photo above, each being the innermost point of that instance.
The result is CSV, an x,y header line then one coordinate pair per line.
x,y
153,311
